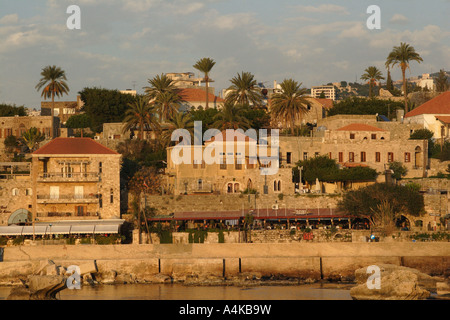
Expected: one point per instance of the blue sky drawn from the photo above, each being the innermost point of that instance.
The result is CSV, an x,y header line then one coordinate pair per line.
x,y
123,43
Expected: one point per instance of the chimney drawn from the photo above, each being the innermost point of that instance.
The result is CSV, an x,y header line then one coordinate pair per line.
x,y
274,84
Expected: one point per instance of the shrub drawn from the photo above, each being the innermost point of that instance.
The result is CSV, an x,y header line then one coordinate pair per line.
x,y
280,196
18,240
221,237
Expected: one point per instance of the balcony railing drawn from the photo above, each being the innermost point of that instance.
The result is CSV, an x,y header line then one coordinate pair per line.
x,y
73,176
67,214
67,198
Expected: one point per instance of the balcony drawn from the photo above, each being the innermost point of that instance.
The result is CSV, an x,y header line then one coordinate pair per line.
x,y
67,198
67,214
69,177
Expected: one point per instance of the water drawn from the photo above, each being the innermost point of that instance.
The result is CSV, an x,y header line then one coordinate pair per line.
x,y
180,292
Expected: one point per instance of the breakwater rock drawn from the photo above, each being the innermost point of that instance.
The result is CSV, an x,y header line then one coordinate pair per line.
x,y
393,283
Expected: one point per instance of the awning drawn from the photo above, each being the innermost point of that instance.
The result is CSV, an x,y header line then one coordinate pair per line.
x,y
11,230
78,229
37,230
113,228
58,229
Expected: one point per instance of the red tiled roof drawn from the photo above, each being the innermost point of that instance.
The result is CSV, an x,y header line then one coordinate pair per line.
x,y
326,103
197,95
444,119
73,146
359,127
438,105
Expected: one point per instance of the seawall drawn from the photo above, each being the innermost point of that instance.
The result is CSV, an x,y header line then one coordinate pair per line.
x,y
332,261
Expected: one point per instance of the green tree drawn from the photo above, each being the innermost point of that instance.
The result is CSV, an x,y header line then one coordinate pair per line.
x,y
140,116
442,83
163,94
372,74
11,144
382,204
53,83
104,106
402,56
231,117
79,121
290,104
7,110
243,90
399,170
205,65
362,106
31,138
180,121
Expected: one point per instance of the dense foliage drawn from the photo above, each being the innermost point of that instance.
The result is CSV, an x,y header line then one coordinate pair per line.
x,y
104,105
362,106
7,110
326,169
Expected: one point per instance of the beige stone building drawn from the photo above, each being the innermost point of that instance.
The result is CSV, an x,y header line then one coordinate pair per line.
x,y
239,165
75,178
63,109
16,126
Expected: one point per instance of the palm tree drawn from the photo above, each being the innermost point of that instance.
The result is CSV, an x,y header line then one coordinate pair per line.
x,y
402,55
32,138
180,121
205,65
230,117
53,82
290,104
244,91
163,95
442,84
372,74
140,115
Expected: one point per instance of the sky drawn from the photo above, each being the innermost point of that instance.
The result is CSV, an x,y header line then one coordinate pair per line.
x,y
123,43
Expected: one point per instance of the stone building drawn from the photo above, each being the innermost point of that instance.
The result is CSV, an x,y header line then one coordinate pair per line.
x,y
240,162
63,109
75,178
16,126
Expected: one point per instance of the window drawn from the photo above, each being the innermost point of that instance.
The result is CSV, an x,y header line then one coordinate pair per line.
x,y
377,157
351,157
363,156
223,165
407,157
341,157
288,157
100,167
195,165
15,192
280,157
277,185
330,155
316,154
305,155
28,191
111,196
54,192
390,157
100,201
79,192
374,136
352,136
200,184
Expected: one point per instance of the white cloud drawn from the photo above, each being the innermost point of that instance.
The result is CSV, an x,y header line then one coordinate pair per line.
x,y
9,19
399,19
324,8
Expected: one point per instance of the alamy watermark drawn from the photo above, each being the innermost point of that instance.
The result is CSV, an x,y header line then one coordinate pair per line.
x,y
74,20
374,280
228,147
74,280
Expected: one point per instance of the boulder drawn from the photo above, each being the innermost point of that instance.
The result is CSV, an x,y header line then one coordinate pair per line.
x,y
39,287
443,288
396,283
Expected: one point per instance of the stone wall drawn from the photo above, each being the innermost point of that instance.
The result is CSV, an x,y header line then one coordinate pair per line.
x,y
184,203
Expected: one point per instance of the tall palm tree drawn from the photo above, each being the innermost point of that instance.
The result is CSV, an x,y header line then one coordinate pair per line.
x,y
205,65
372,74
290,104
167,105
181,120
243,90
402,55
140,114
230,117
31,138
163,95
53,82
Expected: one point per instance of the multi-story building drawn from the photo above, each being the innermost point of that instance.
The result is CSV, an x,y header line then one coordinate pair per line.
x,y
185,79
63,109
75,178
240,162
328,91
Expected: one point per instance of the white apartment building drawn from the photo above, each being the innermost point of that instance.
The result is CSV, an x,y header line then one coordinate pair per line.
x,y
328,91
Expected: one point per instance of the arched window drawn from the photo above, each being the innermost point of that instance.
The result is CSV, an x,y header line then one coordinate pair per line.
x,y
15,192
